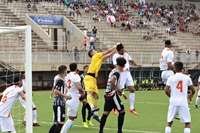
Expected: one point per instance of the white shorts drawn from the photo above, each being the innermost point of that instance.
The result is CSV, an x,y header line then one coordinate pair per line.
x,y
166,74
23,103
126,79
182,111
72,106
7,124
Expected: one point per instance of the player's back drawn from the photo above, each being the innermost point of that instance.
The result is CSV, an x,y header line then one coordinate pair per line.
x,y
166,56
71,80
179,87
10,96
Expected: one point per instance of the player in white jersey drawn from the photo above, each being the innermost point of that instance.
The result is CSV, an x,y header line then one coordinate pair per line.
x,y
166,61
74,90
198,95
126,78
23,103
8,98
177,91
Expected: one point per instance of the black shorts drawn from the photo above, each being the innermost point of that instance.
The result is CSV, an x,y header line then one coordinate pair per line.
x,y
84,97
59,113
113,102
85,45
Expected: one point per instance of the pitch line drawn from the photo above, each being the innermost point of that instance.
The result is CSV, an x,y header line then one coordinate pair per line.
x,y
111,129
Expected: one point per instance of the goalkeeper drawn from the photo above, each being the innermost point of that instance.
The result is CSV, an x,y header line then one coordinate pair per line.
x,y
90,78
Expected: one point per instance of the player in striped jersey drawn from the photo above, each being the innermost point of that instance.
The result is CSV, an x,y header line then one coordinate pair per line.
x,y
59,100
177,91
111,96
8,99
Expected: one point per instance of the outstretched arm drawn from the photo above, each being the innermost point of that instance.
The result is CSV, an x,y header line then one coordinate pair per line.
x,y
134,63
108,53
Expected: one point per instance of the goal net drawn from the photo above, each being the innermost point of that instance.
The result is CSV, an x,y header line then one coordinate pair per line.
x,y
16,58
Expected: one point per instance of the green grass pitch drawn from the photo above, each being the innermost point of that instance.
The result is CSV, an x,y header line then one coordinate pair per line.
x,y
151,106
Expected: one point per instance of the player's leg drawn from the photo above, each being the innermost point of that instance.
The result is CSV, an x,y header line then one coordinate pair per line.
x,y
89,112
23,103
197,99
172,112
72,113
35,115
6,124
185,117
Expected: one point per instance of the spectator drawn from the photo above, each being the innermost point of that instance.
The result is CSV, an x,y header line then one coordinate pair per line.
x,y
92,39
178,55
188,56
29,7
84,43
94,32
71,11
160,83
78,12
85,32
123,26
34,8
197,55
76,51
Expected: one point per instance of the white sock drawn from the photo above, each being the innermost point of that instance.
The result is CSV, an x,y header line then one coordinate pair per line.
x,y
168,129
66,126
34,116
132,100
187,130
197,100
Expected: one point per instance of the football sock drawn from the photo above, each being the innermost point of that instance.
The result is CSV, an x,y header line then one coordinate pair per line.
x,y
66,126
90,100
187,130
120,121
168,129
102,123
51,130
96,103
84,112
89,111
34,116
197,101
132,100
58,128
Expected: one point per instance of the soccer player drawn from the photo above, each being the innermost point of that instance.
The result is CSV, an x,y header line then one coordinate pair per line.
x,y
59,100
166,59
84,101
198,95
111,96
74,88
177,90
23,103
126,78
8,99
90,79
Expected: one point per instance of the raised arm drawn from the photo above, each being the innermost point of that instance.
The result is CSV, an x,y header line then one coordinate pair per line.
x,y
108,53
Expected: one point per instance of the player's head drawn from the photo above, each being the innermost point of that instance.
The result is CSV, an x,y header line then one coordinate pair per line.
x,y
92,52
121,62
62,69
73,67
120,48
17,80
168,43
178,66
85,68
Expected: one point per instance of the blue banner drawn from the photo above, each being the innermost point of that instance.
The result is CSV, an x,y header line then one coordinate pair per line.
x,y
48,20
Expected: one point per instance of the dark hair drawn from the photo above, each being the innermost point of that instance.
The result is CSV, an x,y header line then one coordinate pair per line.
x,y
62,69
16,78
72,66
85,66
119,46
178,65
168,42
121,61
90,53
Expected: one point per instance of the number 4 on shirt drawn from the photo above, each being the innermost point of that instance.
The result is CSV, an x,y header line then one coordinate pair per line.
x,y
180,86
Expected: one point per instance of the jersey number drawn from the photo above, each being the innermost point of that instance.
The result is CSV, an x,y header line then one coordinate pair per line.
x,y
180,85
4,98
69,84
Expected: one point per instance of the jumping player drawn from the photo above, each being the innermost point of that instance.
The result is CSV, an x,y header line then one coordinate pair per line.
x,y
177,90
126,78
111,95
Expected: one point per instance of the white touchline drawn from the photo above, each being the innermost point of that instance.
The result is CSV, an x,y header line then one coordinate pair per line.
x,y
127,130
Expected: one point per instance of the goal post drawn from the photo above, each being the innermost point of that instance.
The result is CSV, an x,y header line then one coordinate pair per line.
x,y
10,56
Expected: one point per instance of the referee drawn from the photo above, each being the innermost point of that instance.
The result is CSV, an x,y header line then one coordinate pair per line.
x,y
111,96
